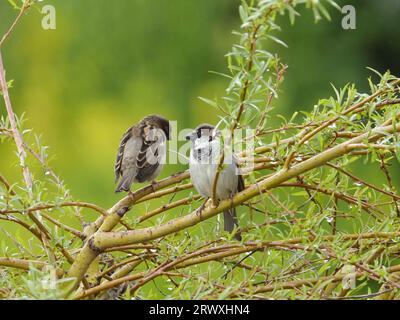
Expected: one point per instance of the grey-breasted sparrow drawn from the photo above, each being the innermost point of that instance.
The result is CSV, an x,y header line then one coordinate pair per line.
x,y
203,164
142,152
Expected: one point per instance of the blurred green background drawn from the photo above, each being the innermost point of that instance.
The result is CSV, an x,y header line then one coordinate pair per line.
x,y
110,63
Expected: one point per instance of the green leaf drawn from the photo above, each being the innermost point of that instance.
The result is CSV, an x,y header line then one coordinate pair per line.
x,y
335,5
13,4
277,41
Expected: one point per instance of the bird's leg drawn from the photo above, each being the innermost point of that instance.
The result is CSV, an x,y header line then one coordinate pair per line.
x,y
203,205
214,205
153,185
131,195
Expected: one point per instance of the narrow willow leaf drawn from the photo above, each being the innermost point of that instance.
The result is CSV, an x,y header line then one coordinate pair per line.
x,y
278,41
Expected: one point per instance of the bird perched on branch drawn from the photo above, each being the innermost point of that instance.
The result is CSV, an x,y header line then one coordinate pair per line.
x,y
142,152
203,165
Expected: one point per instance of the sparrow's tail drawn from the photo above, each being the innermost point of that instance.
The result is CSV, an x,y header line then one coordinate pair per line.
x,y
126,181
230,222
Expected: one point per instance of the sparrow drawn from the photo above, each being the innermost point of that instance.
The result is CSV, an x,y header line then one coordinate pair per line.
x,y
142,152
203,164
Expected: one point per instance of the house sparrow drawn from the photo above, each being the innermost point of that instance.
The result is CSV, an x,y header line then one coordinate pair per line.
x,y
203,163
142,152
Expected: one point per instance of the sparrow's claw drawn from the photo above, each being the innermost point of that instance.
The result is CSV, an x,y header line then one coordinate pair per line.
x,y
215,203
153,185
203,205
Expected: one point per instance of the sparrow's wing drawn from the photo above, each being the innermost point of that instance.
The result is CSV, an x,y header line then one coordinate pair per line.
x,y
230,217
240,186
118,162
150,155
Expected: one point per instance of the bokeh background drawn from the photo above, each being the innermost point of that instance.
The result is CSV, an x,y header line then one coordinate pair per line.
x,y
109,63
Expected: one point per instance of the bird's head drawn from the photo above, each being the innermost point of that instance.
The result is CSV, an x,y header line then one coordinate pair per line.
x,y
201,135
158,122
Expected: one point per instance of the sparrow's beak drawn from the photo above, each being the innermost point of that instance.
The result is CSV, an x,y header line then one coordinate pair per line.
x,y
190,136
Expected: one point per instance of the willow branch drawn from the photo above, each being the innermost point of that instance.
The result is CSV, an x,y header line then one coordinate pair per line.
x,y
342,196
167,207
223,251
5,183
15,132
23,9
132,247
25,225
355,178
71,230
355,107
21,263
104,224
40,207
305,282
165,192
